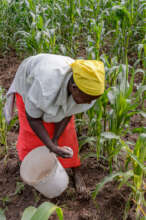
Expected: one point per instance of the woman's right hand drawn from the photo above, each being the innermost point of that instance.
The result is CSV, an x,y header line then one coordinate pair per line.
x,y
64,152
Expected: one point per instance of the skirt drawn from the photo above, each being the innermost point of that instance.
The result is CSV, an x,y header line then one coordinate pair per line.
x,y
28,140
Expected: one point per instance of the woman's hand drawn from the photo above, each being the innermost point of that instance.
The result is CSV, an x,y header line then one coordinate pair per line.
x,y
64,152
38,127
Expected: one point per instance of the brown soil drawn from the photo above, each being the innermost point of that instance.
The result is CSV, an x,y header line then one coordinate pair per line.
x,y
109,204
8,65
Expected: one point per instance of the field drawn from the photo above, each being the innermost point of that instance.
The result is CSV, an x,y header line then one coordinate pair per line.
x,y
112,135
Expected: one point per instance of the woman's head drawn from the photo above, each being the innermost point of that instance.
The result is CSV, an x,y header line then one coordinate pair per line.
x,y
79,96
87,81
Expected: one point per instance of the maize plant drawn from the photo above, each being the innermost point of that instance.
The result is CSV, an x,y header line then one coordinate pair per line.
x,y
133,177
137,157
36,27
44,211
3,125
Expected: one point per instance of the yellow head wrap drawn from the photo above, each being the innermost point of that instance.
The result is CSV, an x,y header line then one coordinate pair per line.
x,y
89,76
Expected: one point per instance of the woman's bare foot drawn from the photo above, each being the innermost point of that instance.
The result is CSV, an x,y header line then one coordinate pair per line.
x,y
80,184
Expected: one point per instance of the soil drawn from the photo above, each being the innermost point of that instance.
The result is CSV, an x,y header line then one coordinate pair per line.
x,y
15,196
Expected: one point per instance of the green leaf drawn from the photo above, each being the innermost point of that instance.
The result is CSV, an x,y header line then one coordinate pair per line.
x,y
28,213
63,49
143,218
112,95
109,135
110,178
139,130
85,156
143,137
2,215
40,22
141,89
137,161
143,114
45,210
19,187
59,213
86,140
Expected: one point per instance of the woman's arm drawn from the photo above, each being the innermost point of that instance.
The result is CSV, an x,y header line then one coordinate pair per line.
x,y
37,126
59,128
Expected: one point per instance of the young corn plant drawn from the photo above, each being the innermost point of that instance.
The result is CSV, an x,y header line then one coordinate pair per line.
x,y
95,38
118,118
36,35
44,211
3,125
98,122
36,28
110,117
122,109
137,157
133,176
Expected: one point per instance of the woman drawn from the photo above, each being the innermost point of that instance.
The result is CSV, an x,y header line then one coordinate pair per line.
x,y
49,90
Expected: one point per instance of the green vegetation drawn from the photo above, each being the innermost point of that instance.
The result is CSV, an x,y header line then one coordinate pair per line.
x,y
4,127
134,178
112,27
44,211
112,31
2,215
